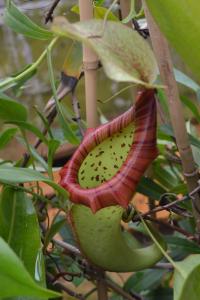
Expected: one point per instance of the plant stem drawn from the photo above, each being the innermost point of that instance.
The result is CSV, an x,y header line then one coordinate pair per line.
x,y
90,64
162,53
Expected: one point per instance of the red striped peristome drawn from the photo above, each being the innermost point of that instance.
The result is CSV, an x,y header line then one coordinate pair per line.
x,y
120,188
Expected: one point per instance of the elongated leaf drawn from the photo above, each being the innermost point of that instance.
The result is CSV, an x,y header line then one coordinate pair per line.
x,y
6,136
124,53
183,244
187,81
145,280
192,107
20,23
186,282
30,127
167,129
20,229
20,175
11,110
180,22
150,188
53,146
67,131
52,231
14,278
38,157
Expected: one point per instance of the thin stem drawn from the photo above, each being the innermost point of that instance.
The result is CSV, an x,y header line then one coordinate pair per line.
x,y
63,287
49,15
119,290
117,93
163,56
161,249
171,204
73,250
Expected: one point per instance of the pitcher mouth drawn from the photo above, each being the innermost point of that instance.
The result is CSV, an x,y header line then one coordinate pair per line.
x,y
98,176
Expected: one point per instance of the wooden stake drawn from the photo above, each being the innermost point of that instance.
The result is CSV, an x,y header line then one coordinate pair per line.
x,y
162,52
90,64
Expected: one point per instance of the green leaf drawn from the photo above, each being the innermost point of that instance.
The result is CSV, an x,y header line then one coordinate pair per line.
x,y
187,246
20,229
53,146
163,293
7,136
186,282
99,13
13,175
30,127
38,157
163,176
149,188
125,55
187,81
167,129
11,110
14,278
98,2
54,228
143,281
191,106
73,64
20,23
67,131
180,22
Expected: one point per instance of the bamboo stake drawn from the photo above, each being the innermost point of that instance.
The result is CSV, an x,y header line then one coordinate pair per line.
x,y
162,52
90,64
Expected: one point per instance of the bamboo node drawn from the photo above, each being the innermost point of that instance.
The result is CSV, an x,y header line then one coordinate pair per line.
x,y
93,65
191,174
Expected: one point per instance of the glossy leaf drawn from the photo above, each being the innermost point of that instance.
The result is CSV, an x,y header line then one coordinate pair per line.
x,y
11,110
14,278
123,52
20,23
7,136
20,229
180,22
186,279
143,281
187,246
20,175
